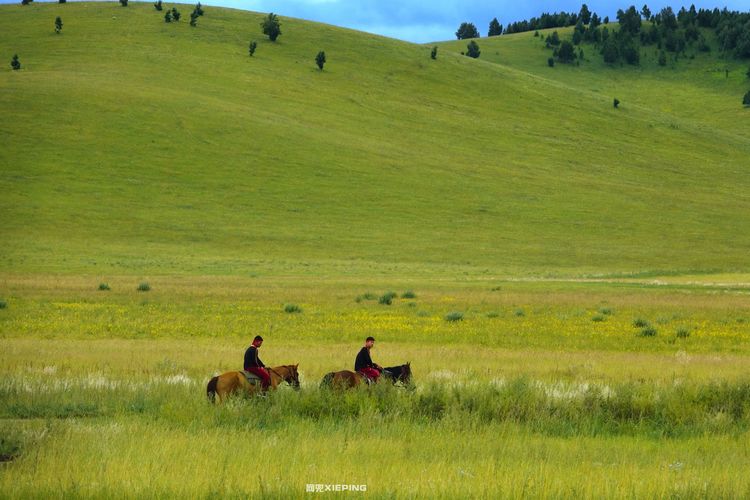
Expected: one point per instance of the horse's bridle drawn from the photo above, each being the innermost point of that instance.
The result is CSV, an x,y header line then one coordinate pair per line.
x,y
282,378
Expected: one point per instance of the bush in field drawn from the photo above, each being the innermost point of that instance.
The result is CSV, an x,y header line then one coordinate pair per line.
x,y
292,309
616,103
271,26
168,16
157,5
194,19
648,332
124,3
175,14
746,99
199,9
58,24
551,62
598,318
10,448
662,58
251,48
15,63
606,311
144,287
433,52
365,296
682,333
104,287
454,316
519,313
3,304
566,53
387,298
472,50
641,323
408,295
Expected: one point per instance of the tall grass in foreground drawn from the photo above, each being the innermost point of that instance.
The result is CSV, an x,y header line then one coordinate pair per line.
x,y
512,439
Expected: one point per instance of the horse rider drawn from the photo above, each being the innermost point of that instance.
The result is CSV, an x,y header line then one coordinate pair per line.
x,y
254,365
364,364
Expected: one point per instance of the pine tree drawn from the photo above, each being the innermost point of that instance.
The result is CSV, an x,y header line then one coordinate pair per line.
x,y
320,59
124,3
175,14
495,28
58,24
473,49
251,48
433,54
157,5
15,63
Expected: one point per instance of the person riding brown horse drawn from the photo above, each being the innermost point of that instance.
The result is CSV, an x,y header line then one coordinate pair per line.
x,y
254,365
364,364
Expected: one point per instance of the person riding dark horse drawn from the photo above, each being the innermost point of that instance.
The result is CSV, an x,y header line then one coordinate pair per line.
x,y
364,364
254,365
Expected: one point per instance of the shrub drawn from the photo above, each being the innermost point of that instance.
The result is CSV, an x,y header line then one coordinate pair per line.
x,y
3,304
251,48
271,26
144,287
606,311
433,52
157,5
58,24
292,308
62,1
199,9
104,287
682,333
520,313
365,296
387,298
15,63
175,14
168,17
493,314
746,99
454,316
662,58
566,53
597,318
320,60
551,62
124,3
473,49
194,19
408,295
616,103
648,332
10,448
641,323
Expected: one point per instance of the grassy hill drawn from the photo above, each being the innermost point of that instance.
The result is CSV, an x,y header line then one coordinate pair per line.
x,y
134,146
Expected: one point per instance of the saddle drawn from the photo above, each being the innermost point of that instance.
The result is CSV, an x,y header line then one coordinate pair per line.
x,y
252,378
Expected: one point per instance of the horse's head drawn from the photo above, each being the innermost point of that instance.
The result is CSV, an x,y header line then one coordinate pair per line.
x,y
405,376
291,375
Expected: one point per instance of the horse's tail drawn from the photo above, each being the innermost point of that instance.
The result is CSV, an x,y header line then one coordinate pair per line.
x,y
211,389
327,380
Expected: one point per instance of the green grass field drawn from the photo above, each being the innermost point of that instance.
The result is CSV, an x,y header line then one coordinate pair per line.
x,y
597,259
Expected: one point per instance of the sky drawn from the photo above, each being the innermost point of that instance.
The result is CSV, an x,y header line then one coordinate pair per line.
x,y
437,20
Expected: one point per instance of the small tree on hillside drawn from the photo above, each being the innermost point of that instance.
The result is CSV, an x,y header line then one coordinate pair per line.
x,y
746,99
26,2
616,103
271,26
495,28
433,53
157,5
467,30
175,14
472,50
194,19
251,48
15,63
124,3
62,1
199,9
320,59
646,12
566,53
551,62
168,16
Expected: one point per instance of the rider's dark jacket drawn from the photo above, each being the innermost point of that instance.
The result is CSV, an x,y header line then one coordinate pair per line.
x,y
251,358
363,360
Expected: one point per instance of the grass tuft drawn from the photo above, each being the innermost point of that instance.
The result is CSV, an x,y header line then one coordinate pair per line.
x,y
104,287
454,316
144,287
292,308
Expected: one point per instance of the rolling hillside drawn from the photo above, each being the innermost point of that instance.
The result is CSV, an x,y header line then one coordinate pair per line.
x,y
134,146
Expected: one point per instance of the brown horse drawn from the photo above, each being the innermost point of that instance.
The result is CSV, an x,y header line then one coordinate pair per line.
x,y
346,379
235,382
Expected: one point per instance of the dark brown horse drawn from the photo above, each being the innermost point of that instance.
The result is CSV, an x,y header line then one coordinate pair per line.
x,y
346,379
236,382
